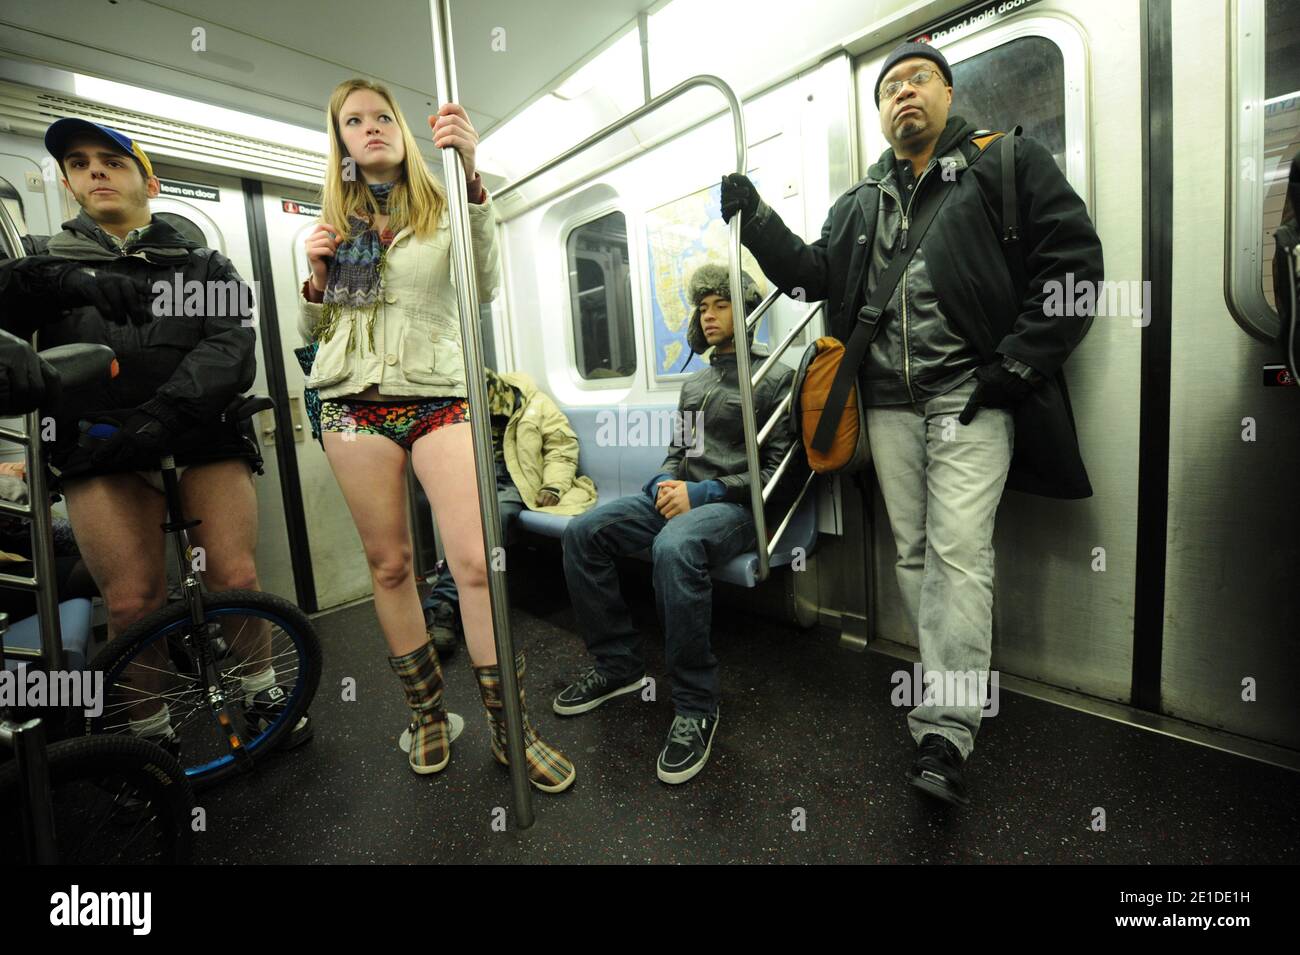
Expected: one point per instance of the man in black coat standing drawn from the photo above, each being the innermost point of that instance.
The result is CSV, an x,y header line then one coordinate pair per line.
x,y
962,380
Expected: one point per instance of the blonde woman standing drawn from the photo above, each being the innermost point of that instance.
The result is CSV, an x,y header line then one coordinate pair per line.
x,y
381,307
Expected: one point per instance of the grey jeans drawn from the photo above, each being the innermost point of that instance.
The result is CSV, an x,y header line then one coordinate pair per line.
x,y
942,482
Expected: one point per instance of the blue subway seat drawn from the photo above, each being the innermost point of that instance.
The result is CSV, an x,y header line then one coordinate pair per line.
x,y
620,468
75,622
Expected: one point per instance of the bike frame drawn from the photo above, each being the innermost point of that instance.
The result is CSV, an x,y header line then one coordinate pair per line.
x,y
177,527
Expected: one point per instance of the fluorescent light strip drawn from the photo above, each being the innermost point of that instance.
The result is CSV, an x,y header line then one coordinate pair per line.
x,y
166,106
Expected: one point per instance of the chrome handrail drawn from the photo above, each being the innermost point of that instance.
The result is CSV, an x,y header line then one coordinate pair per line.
x,y
789,515
780,412
794,333
770,486
733,255
754,317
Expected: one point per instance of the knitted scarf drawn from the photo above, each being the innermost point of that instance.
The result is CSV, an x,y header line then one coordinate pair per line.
x,y
356,275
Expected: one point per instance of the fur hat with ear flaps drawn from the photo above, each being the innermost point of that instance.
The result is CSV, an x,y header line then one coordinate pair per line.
x,y
715,279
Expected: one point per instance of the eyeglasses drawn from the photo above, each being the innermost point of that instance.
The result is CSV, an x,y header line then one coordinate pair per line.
x,y
917,79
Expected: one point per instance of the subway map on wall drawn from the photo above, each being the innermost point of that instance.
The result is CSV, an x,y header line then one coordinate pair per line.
x,y
681,236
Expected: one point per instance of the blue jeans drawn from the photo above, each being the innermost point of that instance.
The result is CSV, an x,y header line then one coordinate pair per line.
x,y
509,506
942,482
683,549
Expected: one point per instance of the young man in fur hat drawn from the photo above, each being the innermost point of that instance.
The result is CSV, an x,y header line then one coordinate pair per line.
x,y
694,514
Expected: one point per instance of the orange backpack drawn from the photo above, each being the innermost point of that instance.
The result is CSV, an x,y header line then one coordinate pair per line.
x,y
849,449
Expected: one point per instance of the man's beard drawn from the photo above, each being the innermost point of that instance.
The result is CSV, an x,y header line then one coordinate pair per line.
x,y
910,127
137,199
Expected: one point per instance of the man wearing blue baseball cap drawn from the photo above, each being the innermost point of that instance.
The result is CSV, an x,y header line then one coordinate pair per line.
x,y
178,373
116,203
935,269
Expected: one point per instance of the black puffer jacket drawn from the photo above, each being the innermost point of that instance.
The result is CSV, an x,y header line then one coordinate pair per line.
x,y
710,401
195,363
997,311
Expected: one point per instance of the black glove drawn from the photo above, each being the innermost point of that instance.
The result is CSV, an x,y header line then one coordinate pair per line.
x,y
738,195
129,436
27,381
116,297
995,387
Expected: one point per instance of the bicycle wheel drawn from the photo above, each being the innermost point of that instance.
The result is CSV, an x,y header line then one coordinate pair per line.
x,y
117,800
160,662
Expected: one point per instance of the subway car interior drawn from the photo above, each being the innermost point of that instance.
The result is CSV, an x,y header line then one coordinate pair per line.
x,y
1139,703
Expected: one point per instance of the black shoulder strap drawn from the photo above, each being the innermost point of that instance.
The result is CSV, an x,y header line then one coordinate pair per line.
x,y
868,324
1010,220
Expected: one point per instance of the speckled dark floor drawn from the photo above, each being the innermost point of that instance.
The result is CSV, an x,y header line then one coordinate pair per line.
x,y
805,725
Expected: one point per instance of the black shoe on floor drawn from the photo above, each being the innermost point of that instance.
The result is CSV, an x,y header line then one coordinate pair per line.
x,y
440,624
689,741
589,691
937,770
265,708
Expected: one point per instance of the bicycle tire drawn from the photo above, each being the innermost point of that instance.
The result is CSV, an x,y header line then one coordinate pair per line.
x,y
95,780
174,620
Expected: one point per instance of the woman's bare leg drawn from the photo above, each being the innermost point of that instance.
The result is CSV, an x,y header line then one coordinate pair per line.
x,y
371,471
444,463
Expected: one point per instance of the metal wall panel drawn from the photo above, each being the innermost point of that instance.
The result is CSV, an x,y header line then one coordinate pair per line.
x,y
1231,600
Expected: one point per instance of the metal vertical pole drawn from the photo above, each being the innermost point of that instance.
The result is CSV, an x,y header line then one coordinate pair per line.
x,y
643,30
740,338
463,272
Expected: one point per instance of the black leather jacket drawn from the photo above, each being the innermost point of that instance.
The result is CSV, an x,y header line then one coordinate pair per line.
x,y
195,363
712,446
997,308
918,353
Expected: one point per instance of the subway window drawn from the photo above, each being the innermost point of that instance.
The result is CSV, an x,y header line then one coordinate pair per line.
x,y
1265,136
1281,121
600,297
1020,82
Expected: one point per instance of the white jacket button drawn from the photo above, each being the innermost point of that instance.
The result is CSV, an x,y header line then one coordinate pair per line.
x,y
390,298
390,359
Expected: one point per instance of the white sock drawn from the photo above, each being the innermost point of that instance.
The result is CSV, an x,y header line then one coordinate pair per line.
x,y
160,724
258,682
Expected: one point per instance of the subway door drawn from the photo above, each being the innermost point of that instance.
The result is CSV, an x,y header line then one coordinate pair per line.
x,y
23,188
338,561
209,209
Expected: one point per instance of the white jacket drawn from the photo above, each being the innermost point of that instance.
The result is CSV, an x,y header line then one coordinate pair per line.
x,y
418,349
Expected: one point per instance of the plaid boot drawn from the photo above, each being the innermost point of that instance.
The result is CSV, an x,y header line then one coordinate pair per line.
x,y
430,732
548,769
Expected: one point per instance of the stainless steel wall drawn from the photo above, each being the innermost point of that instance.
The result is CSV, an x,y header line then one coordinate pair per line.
x,y
1233,565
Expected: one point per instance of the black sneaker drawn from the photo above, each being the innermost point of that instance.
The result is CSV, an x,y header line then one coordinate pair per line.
x,y
937,770
265,708
440,625
687,749
589,691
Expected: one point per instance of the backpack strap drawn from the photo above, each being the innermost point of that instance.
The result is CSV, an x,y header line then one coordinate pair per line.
x,y
868,324
1010,217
